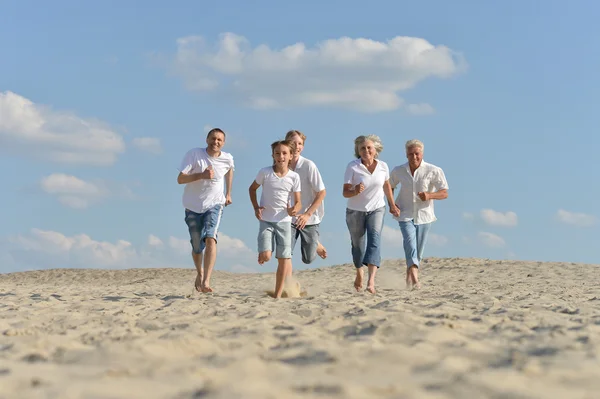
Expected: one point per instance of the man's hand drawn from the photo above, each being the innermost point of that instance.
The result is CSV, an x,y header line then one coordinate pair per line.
x,y
424,196
208,173
258,212
359,188
302,220
394,210
227,200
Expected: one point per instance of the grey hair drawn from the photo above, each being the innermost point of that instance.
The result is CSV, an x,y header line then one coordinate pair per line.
x,y
414,143
369,137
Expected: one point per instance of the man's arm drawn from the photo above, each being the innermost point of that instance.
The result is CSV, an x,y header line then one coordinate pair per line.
x,y
228,185
208,173
436,195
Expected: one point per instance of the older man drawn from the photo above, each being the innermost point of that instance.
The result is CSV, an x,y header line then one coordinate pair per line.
x,y
420,184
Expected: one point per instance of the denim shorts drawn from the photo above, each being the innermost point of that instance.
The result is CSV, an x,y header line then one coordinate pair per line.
x,y
275,236
202,226
309,241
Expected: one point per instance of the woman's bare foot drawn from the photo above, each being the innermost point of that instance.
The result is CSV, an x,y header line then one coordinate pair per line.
x,y
321,251
371,282
358,281
414,277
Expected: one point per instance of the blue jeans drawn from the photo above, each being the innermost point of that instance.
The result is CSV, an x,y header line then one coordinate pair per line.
x,y
414,238
365,225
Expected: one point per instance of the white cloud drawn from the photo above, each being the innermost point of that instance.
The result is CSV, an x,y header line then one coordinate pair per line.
x,y
392,236
468,216
359,74
491,240
576,219
147,144
154,241
420,109
42,249
495,218
58,136
74,192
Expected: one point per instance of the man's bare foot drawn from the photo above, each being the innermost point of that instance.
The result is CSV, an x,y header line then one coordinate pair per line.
x,y
198,283
321,251
408,279
358,281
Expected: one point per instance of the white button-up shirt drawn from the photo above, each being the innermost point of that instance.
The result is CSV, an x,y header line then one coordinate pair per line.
x,y
427,178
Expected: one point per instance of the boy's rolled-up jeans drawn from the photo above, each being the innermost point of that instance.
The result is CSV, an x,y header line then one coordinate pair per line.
x,y
414,237
365,234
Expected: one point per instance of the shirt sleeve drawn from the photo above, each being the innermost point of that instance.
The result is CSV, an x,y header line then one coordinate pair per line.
x,y
316,181
260,177
297,185
394,180
386,170
187,163
348,176
440,182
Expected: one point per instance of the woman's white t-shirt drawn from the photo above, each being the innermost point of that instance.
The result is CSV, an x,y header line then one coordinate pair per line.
x,y
373,196
276,193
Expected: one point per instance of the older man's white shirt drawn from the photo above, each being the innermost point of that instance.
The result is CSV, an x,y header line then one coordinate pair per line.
x,y
427,178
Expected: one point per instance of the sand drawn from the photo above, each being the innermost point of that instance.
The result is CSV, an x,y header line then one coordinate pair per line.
x,y
477,329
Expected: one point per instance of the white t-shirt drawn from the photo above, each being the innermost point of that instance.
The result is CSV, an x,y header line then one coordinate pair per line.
x,y
427,178
311,183
203,194
373,196
276,193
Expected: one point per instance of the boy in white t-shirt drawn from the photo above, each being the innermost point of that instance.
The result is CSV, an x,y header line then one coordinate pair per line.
x,y
279,186
305,225
205,173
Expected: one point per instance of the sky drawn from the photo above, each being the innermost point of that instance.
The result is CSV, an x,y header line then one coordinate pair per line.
x,y
99,102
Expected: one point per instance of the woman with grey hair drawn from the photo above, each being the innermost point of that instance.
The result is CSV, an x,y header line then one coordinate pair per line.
x,y
366,185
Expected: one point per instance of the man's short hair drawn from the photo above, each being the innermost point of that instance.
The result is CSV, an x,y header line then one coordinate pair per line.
x,y
414,143
215,130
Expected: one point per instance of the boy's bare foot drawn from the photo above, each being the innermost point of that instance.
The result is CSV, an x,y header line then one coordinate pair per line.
x,y
371,288
321,251
358,281
207,289
264,257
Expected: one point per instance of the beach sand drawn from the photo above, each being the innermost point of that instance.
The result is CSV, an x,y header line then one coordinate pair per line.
x,y
477,329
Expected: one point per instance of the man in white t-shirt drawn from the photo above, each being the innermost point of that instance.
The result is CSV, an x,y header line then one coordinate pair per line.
x,y
305,225
420,184
206,173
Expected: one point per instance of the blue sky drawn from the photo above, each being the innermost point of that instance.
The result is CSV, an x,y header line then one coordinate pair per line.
x,y
99,102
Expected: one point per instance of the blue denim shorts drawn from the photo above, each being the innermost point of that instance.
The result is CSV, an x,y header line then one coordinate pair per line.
x,y
275,236
202,226
309,241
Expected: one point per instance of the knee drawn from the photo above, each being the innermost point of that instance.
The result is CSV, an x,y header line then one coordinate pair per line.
x,y
210,242
308,259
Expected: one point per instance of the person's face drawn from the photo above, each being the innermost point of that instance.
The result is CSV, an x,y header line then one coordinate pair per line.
x,y
282,155
299,143
367,150
215,141
414,155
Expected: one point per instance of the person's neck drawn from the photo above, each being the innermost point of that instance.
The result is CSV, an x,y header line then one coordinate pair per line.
x,y
413,169
214,154
294,162
368,162
281,169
